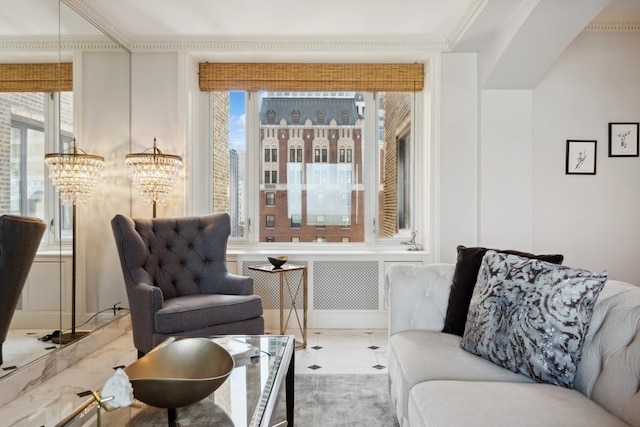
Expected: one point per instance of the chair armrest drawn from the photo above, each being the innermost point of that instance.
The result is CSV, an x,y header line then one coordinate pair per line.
x,y
418,296
234,284
144,301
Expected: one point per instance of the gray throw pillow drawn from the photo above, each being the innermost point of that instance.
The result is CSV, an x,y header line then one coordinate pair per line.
x,y
531,316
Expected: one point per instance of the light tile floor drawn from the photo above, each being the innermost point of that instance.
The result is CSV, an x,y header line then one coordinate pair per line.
x,y
343,351
329,351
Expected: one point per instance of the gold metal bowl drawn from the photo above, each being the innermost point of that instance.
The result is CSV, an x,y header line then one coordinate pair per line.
x,y
277,262
179,372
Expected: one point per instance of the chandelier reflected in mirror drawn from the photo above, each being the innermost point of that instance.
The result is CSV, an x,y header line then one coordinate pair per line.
x,y
153,174
74,174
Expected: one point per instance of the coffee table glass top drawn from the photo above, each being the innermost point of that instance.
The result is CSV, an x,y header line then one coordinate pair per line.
x,y
252,396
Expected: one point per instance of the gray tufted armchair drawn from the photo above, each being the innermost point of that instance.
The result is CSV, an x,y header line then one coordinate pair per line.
x,y
20,237
177,280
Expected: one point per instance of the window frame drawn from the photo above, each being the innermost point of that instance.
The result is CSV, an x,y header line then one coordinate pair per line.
x,y
371,162
54,141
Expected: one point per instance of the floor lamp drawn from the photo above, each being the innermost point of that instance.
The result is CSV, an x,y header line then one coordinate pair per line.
x,y
153,173
74,175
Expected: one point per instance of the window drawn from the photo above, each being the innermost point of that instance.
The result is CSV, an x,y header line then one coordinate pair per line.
x,y
295,155
30,119
270,177
357,180
270,198
320,155
270,155
270,221
344,118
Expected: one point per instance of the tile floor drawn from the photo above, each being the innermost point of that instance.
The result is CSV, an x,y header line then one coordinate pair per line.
x,y
343,351
329,351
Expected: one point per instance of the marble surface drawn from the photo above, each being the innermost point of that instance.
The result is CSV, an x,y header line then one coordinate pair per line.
x,y
23,346
19,382
47,391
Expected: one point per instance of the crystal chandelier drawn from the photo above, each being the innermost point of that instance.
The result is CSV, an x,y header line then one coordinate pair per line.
x,y
153,173
74,174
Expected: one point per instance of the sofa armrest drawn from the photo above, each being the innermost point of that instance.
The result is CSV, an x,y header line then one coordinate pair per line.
x,y
418,296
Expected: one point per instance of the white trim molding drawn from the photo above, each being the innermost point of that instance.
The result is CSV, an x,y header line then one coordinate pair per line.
x,y
615,23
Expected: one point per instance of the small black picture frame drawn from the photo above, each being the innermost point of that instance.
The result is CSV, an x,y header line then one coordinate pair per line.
x,y
623,139
581,157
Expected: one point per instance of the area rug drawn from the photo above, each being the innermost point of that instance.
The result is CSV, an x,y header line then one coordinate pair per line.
x,y
327,400
334,400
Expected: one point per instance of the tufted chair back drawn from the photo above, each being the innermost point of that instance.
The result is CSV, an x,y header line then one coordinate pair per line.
x,y
181,256
19,240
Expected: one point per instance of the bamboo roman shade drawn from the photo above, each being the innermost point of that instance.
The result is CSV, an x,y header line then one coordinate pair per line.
x,y
312,77
51,77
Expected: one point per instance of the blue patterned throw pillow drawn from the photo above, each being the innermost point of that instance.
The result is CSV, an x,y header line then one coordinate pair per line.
x,y
531,316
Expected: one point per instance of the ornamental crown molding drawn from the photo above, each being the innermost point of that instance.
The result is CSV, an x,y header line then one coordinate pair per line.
x,y
88,12
615,23
54,45
286,45
470,14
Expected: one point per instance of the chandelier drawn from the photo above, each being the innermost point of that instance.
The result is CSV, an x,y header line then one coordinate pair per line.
x,y
153,173
74,174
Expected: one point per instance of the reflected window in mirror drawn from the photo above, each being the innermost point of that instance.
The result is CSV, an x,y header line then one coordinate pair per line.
x,y
26,190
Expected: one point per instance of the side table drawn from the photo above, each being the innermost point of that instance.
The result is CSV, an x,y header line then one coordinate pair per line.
x,y
292,291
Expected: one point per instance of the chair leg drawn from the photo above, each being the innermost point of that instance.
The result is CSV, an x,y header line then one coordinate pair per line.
x,y
1,360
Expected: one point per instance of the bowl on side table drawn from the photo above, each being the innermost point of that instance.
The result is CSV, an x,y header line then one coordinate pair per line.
x,y
277,262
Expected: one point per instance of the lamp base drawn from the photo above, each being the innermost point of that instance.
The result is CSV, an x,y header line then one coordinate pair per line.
x,y
64,339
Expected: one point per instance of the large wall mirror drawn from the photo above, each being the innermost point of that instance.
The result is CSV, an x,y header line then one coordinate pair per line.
x,y
93,108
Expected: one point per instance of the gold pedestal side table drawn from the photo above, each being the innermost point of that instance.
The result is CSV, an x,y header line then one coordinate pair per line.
x,y
292,291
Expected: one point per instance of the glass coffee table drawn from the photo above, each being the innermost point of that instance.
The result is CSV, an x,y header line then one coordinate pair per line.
x,y
250,397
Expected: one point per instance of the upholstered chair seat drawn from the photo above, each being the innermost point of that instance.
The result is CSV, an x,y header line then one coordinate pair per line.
x,y
177,280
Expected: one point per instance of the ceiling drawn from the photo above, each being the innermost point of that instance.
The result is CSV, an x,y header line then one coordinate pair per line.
x,y
135,20
331,28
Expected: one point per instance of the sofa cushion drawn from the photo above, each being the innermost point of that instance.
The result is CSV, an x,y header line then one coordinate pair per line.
x,y
416,356
531,316
498,404
464,280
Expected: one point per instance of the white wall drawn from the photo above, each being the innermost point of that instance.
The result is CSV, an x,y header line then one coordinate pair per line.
x,y
158,110
592,220
523,199
505,171
458,153
102,128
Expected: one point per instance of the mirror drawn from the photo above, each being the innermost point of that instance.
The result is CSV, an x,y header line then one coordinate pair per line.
x,y
50,32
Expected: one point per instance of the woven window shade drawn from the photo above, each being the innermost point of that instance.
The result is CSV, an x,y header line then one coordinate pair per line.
x,y
312,77
52,77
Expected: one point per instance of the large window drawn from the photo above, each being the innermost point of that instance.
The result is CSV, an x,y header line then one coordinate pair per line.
x,y
347,165
30,121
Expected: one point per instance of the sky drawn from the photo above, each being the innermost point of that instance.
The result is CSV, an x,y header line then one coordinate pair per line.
x,y
237,120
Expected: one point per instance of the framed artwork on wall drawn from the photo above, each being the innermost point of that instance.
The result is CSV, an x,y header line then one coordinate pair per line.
x,y
581,157
623,140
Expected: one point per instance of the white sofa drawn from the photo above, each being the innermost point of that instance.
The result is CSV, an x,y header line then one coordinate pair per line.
x,y
434,382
